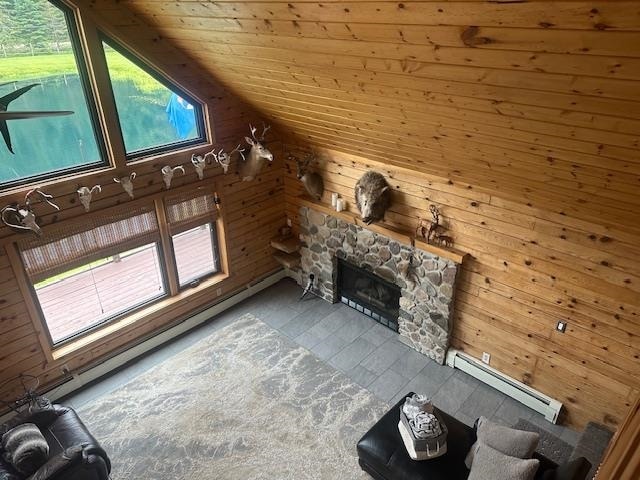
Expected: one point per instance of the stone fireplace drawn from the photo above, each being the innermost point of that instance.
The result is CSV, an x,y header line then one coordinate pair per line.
x,y
425,281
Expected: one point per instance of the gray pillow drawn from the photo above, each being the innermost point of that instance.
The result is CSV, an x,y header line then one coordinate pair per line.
x,y
25,448
512,442
490,464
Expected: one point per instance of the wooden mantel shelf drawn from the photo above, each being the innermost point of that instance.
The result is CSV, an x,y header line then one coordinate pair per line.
x,y
400,236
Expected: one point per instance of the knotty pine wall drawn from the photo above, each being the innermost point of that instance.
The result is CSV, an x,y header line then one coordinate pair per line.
x,y
253,213
527,268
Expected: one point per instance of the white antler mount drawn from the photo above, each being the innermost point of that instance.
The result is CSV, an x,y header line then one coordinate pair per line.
x,y
168,172
127,183
224,159
199,162
22,217
85,194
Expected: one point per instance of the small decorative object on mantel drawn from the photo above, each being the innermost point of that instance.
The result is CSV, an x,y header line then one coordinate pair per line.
x,y
168,172
199,162
22,217
85,194
372,196
423,433
257,155
224,159
433,232
127,183
341,205
334,199
312,181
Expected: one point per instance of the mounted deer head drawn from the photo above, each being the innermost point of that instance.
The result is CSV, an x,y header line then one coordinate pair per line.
x,y
22,217
257,155
85,194
224,159
312,181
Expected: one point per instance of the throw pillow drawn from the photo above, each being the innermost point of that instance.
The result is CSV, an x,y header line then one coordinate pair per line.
x,y
490,464
25,448
512,442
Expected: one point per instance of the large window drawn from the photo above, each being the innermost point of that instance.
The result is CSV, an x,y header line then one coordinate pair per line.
x,y
83,297
154,115
85,274
43,69
39,48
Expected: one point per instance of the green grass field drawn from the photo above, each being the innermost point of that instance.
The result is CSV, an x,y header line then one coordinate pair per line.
x,y
38,67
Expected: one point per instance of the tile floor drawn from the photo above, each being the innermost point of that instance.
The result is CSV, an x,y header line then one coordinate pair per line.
x,y
367,352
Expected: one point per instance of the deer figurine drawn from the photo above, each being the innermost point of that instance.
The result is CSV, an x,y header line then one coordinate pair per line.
x,y
224,159
257,155
312,181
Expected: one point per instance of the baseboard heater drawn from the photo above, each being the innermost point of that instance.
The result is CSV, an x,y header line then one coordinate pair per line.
x,y
524,394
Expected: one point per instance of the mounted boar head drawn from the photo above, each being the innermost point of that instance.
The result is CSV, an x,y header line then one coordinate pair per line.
x,y
373,196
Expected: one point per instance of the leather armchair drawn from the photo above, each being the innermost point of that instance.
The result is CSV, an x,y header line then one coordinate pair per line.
x,y
74,454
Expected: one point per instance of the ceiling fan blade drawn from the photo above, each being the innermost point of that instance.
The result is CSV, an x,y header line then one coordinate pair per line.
x,y
24,115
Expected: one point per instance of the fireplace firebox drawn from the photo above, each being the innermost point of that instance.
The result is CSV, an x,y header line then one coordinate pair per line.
x,y
369,294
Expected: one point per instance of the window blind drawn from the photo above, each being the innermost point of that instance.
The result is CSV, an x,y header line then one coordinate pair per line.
x,y
189,210
73,244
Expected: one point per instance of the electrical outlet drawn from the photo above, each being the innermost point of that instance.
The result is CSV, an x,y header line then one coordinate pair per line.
x,y
561,326
219,292
486,357
288,222
65,369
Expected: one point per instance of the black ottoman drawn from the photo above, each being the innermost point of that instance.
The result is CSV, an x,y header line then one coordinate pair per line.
x,y
382,454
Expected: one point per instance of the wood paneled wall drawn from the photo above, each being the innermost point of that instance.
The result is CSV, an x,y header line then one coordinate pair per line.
x,y
526,270
253,212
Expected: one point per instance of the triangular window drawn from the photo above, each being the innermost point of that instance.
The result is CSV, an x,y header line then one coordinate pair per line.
x,y
155,115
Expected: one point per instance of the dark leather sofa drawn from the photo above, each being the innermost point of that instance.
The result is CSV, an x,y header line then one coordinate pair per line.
x,y
382,454
74,454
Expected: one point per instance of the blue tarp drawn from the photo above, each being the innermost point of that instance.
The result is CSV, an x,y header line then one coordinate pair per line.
x,y
181,115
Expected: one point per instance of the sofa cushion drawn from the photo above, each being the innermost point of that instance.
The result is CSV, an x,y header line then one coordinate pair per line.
x,y
490,464
25,448
512,442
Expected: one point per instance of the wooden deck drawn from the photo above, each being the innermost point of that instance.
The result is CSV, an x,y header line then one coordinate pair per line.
x,y
90,297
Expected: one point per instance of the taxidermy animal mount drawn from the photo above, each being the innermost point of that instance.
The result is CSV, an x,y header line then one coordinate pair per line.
x,y
22,217
312,181
168,172
373,196
127,183
199,162
257,155
85,194
224,159
4,115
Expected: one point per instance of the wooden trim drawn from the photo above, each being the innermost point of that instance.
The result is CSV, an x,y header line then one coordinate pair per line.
x,y
167,248
452,254
221,230
27,294
622,460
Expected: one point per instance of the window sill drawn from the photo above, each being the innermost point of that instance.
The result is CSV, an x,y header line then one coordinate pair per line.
x,y
102,334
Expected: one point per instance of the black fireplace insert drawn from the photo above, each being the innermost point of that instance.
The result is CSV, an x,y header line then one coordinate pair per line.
x,y
366,292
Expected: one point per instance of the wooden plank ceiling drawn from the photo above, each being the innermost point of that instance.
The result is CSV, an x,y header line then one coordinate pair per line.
x,y
535,100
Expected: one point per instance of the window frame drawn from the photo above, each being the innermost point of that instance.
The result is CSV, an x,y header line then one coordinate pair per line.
x,y
129,311
142,154
161,308
89,93
86,38
215,242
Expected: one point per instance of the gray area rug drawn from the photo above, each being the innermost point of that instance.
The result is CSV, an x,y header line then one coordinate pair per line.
x,y
243,403
549,445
